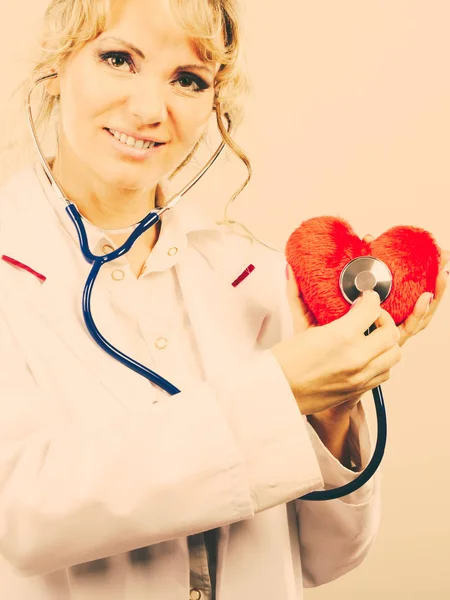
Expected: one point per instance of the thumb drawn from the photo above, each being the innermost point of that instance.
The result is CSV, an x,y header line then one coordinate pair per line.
x,y
364,312
301,315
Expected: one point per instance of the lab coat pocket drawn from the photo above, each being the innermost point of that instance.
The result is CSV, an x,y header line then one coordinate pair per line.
x,y
226,321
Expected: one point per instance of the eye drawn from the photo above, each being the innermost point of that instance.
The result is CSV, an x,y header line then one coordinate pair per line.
x,y
116,60
191,82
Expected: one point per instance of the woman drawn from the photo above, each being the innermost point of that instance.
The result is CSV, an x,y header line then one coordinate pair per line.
x,y
110,488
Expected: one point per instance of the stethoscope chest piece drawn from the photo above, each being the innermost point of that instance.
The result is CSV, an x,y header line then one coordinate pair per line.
x,y
362,274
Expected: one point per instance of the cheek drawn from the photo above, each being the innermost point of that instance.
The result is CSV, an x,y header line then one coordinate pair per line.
x,y
81,101
192,118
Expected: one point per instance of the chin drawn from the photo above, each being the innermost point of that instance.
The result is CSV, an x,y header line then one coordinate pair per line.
x,y
128,177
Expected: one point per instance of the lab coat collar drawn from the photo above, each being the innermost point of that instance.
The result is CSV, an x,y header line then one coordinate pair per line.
x,y
226,320
181,222
186,216
24,203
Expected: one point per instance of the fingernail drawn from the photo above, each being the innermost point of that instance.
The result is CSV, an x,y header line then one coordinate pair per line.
x,y
431,299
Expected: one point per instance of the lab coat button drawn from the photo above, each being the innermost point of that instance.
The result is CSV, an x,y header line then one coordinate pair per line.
x,y
172,251
107,249
195,594
161,343
117,274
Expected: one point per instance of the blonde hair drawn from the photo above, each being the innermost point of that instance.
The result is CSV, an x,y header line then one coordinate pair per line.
x,y
69,24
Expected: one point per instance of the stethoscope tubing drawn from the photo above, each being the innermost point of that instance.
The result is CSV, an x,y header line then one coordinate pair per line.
x,y
374,463
97,263
377,456
150,220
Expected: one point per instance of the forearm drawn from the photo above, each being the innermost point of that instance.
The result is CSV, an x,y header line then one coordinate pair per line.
x,y
333,429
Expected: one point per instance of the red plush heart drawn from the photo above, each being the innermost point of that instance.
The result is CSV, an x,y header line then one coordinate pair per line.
x,y
320,248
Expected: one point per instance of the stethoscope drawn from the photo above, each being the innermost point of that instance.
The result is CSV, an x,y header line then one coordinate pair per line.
x,y
359,275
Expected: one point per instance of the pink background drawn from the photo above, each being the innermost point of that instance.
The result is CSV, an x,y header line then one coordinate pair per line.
x,y
350,117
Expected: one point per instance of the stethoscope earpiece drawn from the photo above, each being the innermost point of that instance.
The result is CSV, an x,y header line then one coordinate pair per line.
x,y
362,274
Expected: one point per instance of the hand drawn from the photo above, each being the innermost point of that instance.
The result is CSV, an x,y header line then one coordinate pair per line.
x,y
335,364
424,310
303,319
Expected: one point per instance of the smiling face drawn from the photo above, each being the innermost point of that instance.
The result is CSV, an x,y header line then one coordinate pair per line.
x,y
140,78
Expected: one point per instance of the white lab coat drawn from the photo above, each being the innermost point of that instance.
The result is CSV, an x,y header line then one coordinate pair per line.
x,y
89,468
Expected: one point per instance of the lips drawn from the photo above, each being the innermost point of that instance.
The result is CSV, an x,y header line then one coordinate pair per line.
x,y
135,136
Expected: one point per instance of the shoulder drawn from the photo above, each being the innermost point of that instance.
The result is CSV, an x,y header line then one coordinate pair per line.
x,y
17,196
22,200
17,182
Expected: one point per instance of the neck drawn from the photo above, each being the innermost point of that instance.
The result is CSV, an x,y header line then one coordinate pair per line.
x,y
107,209
114,210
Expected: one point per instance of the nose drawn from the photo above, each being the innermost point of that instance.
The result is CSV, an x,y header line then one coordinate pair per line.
x,y
147,100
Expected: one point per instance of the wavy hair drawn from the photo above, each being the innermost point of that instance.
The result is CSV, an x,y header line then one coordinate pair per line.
x,y
69,24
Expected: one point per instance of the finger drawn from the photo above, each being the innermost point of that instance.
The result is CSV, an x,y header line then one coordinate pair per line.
x,y
385,336
441,283
376,381
385,320
364,312
368,238
445,257
412,324
382,363
301,315
441,286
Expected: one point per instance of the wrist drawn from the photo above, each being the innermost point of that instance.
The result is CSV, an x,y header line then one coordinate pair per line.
x,y
333,430
337,416
340,413
328,426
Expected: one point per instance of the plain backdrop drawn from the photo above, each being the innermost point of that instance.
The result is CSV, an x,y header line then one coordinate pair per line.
x,y
349,117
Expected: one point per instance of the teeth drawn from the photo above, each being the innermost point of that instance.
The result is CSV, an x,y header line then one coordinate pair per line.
x,y
131,141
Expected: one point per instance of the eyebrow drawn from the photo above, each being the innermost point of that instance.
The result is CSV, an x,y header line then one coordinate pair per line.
x,y
142,55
